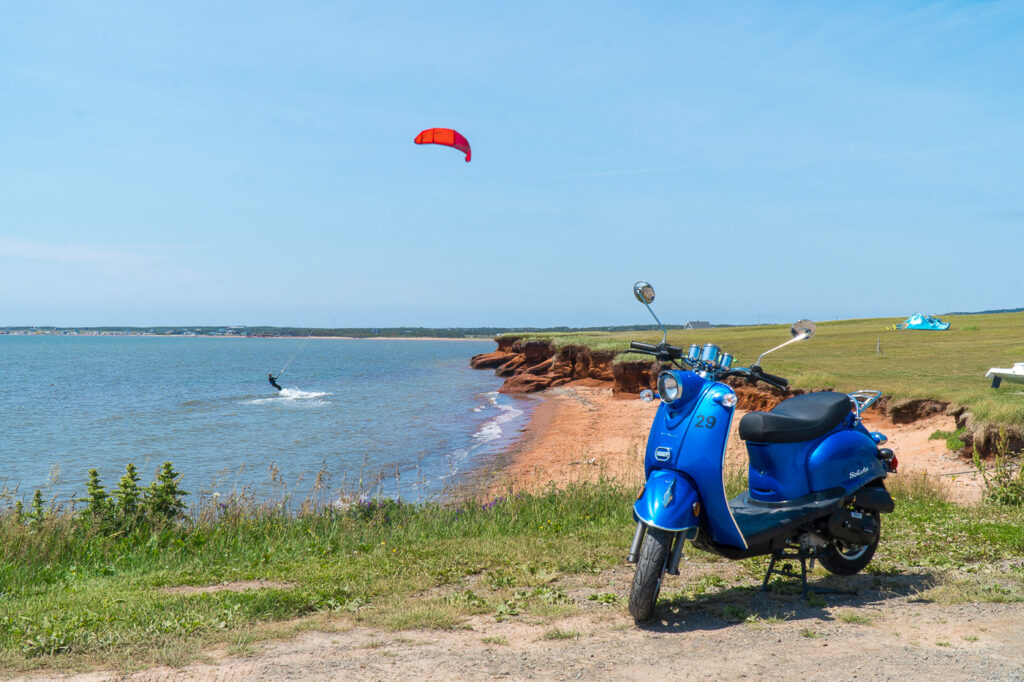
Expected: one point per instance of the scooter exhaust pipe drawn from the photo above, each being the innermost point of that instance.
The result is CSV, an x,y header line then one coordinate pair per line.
x,y
638,538
675,555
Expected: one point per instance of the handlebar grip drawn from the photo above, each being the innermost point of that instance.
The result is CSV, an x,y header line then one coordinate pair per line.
x,y
757,373
783,383
636,345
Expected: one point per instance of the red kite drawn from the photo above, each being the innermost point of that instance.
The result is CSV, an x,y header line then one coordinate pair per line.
x,y
447,137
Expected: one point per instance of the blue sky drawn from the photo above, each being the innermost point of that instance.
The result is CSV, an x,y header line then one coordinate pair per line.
x,y
252,163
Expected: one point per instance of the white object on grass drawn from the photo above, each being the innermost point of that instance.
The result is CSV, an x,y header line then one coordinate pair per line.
x,y
1014,374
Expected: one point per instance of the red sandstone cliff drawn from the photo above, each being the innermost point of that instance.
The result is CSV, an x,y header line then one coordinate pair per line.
x,y
531,366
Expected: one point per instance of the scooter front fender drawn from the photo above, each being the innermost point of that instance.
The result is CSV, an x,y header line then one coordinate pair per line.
x,y
667,502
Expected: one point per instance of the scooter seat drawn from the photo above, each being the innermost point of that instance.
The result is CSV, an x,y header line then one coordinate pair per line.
x,y
799,418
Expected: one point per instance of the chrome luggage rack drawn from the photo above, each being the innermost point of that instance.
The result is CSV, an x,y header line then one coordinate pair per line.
x,y
862,400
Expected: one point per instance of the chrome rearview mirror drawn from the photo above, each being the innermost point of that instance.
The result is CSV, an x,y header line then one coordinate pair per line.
x,y
801,330
644,293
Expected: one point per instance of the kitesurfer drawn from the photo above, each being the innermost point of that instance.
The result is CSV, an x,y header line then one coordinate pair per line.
x,y
273,380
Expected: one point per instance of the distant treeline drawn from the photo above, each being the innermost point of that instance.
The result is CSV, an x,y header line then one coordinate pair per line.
x,y
356,332
445,332
990,312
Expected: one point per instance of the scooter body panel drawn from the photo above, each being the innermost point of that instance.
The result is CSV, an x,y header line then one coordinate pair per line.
x,y
667,501
778,471
689,436
846,458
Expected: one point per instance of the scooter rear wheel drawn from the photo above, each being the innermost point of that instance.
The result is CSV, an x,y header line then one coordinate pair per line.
x,y
650,567
842,559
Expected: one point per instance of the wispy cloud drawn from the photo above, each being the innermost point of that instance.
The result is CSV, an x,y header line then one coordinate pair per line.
x,y
67,253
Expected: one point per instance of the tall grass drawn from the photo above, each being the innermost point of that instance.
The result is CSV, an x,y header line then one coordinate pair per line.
x,y
70,590
73,595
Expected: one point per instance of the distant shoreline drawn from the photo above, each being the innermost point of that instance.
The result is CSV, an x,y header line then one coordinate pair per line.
x,y
237,336
341,338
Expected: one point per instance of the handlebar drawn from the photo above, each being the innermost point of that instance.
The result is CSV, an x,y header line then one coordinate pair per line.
x,y
665,352
662,351
757,374
777,381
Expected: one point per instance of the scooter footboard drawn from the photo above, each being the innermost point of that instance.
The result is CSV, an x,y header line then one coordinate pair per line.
x,y
667,502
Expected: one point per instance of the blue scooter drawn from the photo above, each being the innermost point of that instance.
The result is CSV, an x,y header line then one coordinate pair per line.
x,y
815,480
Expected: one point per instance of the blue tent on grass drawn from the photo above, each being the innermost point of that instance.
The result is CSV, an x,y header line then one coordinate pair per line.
x,y
919,321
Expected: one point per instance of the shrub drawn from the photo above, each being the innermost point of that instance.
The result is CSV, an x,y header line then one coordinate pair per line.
x,y
128,496
98,510
99,501
952,438
1003,482
37,514
163,498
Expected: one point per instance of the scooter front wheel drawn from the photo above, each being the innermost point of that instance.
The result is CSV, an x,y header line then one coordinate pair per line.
x,y
650,567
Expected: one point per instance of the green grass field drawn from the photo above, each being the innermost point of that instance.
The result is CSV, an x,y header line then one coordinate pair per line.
x,y
949,366
73,599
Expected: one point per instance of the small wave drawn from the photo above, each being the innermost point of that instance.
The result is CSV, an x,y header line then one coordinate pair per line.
x,y
488,432
492,401
485,436
491,429
296,394
289,395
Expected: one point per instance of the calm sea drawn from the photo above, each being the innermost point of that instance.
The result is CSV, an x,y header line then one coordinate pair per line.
x,y
356,407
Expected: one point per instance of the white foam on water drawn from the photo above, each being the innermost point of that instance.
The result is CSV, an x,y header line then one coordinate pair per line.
x,y
296,394
292,395
446,468
492,400
488,432
491,429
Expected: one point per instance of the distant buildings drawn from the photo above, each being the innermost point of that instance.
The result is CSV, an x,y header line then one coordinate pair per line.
x,y
697,324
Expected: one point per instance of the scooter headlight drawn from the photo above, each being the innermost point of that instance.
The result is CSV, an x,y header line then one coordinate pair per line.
x,y
669,388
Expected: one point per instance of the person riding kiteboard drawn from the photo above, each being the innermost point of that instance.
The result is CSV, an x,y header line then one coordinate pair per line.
x,y
273,380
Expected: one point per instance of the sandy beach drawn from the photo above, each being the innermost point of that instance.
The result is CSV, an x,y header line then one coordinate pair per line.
x,y
581,431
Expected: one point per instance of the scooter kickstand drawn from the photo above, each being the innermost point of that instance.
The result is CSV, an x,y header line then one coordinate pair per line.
x,y
787,571
803,556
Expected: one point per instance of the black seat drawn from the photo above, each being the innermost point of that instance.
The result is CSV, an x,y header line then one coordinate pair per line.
x,y
799,418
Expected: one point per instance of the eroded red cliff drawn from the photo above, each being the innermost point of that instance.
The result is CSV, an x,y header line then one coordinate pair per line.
x,y
529,366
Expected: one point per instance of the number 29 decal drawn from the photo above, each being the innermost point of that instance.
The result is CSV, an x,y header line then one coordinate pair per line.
x,y
704,422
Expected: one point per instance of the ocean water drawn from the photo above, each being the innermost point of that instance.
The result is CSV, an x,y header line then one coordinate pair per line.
x,y
409,416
